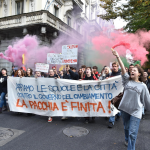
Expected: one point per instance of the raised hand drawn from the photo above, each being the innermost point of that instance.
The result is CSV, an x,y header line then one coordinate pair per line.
x,y
115,53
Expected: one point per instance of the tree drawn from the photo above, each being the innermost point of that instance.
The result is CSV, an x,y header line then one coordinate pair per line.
x,y
135,12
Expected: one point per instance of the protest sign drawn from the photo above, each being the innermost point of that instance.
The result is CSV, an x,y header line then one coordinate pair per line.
x,y
42,67
62,97
70,53
53,58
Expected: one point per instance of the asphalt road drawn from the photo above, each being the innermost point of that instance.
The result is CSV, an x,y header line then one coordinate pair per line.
x,y
41,135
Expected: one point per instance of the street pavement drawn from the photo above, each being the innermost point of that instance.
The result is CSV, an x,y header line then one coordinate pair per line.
x,y
41,135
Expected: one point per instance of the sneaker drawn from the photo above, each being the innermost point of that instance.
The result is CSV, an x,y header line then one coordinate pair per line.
x,y
50,119
126,143
64,118
86,121
110,125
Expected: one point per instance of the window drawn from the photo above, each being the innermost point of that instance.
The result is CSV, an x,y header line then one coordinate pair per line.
x,y
19,7
56,11
69,21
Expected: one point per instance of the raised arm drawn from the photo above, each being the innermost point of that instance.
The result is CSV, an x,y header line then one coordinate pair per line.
x,y
115,53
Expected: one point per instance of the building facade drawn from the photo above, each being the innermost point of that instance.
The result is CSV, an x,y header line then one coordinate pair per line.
x,y
47,19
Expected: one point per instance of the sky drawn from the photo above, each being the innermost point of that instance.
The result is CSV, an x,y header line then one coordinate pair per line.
x,y
119,23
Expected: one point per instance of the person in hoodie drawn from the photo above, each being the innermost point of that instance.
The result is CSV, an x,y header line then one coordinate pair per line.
x,y
115,72
89,76
73,75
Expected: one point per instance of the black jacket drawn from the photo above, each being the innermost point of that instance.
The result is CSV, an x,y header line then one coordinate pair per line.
x,y
115,73
66,76
73,75
92,77
148,84
3,84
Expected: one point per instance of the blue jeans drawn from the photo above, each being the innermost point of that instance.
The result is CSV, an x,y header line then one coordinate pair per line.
x,y
131,127
3,100
112,119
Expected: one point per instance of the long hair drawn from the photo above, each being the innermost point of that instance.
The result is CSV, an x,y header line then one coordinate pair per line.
x,y
108,69
16,73
141,71
30,72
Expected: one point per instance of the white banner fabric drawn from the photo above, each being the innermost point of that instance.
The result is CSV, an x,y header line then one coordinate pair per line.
x,y
61,97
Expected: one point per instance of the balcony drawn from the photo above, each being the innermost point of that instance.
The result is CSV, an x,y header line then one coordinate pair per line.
x,y
79,3
38,17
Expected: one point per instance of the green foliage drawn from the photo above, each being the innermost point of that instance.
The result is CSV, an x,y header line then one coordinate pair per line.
x,y
135,12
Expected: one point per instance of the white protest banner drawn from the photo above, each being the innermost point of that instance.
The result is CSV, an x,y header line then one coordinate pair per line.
x,y
70,53
53,58
41,67
62,97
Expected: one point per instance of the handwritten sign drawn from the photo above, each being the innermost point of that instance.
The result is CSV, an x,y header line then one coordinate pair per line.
x,y
61,97
53,58
70,53
41,67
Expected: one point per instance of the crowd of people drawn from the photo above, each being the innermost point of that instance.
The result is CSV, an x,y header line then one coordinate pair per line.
x,y
136,83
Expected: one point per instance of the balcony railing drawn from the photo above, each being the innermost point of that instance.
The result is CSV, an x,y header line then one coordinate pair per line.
x,y
38,17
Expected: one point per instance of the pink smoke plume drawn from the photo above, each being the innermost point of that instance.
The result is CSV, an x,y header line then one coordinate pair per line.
x,y
136,43
31,47
14,53
35,53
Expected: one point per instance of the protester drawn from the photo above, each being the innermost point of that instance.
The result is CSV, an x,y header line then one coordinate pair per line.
x,y
23,70
136,95
37,74
19,73
73,74
89,76
130,68
107,74
67,74
55,72
29,73
80,72
61,74
52,74
83,67
3,85
95,71
148,72
147,82
115,72
13,71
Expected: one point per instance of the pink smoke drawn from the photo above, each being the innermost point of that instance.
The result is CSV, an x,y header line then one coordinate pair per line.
x,y
136,43
14,53
31,47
